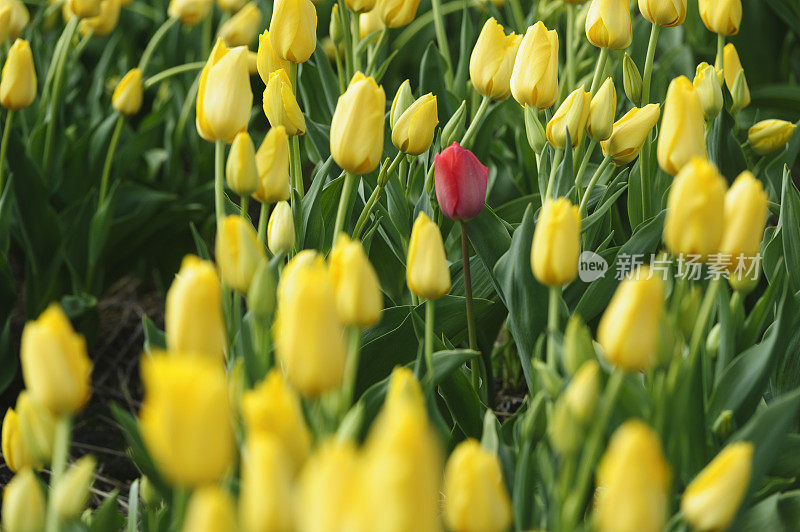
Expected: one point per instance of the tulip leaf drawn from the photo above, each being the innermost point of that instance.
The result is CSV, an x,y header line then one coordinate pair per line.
x,y
200,245
138,451
9,360
107,516
780,511
311,220
154,338
789,224
462,402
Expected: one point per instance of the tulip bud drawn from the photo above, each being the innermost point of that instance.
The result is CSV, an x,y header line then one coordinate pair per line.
x,y
427,273
240,170
601,111
475,495
280,105
23,503
265,495
745,218
273,408
369,23
280,229
210,509
608,24
461,182
631,80
231,6
84,8
768,136
735,78
414,129
682,134
335,26
402,101
37,428
6,13
71,493
238,252
127,97
706,83
712,499
397,13
357,126
534,79
712,341
148,492
534,131
359,301
721,16
570,117
241,29
664,13
190,12
581,394
15,453
695,205
17,18
578,345
185,418
633,480
745,280
293,29
630,133
454,128
492,61
224,98
272,164
193,321
556,243
268,61
55,366
564,431
18,83
688,307
261,294
360,6
105,21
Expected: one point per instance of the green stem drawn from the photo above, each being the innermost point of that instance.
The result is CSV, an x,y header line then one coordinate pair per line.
x,y
429,340
591,185
516,13
154,41
582,169
373,198
174,71
339,70
243,206
570,66
219,181
344,14
554,302
112,148
344,200
720,60
599,69
373,58
351,367
648,64
356,31
466,140
69,32
263,219
296,167
180,496
441,38
557,156
59,460
477,371
701,324
4,147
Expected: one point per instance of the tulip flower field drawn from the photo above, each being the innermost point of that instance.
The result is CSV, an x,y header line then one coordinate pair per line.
x,y
400,265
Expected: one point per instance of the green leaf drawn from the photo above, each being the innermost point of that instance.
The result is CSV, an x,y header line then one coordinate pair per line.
x,y
154,338
108,517
138,452
789,224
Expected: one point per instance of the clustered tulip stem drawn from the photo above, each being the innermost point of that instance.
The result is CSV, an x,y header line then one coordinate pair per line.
x,y
351,367
344,200
173,71
58,76
374,55
648,64
570,66
112,148
157,37
356,31
376,193
703,316
346,39
243,206
4,147
466,140
516,13
592,182
558,154
599,68
296,167
441,38
554,302
219,180
644,158
429,339
720,59
59,460
582,169
263,219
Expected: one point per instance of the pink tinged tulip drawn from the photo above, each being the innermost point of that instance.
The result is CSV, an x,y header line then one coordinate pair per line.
x,y
460,180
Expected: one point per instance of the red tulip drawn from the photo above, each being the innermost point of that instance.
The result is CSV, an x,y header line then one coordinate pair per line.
x,y
460,180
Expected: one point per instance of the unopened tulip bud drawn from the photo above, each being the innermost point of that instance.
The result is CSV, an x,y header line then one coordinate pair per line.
x,y
265,501
359,301
105,21
688,307
735,78
241,29
583,390
18,83
460,180
630,133
84,8
335,27
280,229
454,129
706,83
427,273
608,24
71,493
210,509
492,61
280,104
601,111
293,29
402,101
550,378
240,170
556,243
745,280
682,133
746,208
631,80
224,98
637,307
231,6
268,61
15,453
721,16
534,79
261,294
633,480
18,18
357,126
570,118
272,164
190,12
475,494
127,97
769,136
534,131
360,6
414,129
23,503
564,431
397,13
712,499
578,346
369,23
238,252
664,13
37,428
148,492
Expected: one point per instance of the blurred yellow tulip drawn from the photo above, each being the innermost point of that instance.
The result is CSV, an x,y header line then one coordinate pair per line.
x,y
427,272
37,427
556,243
272,164
768,136
280,229
266,487
706,83
241,29
359,301
127,97
18,17
397,13
732,70
23,503
238,252
240,169
18,82
293,29
210,509
583,390
71,493
746,209
682,134
84,8
105,21
190,12
15,454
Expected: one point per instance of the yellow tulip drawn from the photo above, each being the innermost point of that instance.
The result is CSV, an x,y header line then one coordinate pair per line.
x,y
273,407
706,83
712,499
556,243
492,61
18,83
231,6
15,453
664,13
633,480
768,136
397,13
280,229
238,252
309,339
695,206
413,132
629,328
370,22
427,273
721,16
224,98
55,366
210,509
299,262
608,24
127,97
601,111
240,169
193,320
272,164
476,499
190,12
71,494
268,60
6,13
745,217
18,17
105,21
732,68
293,29
265,501
84,8
185,418
571,117
280,105
581,394
241,29
534,78
357,126
360,6
37,427
356,286
402,101
23,503
682,134
630,133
